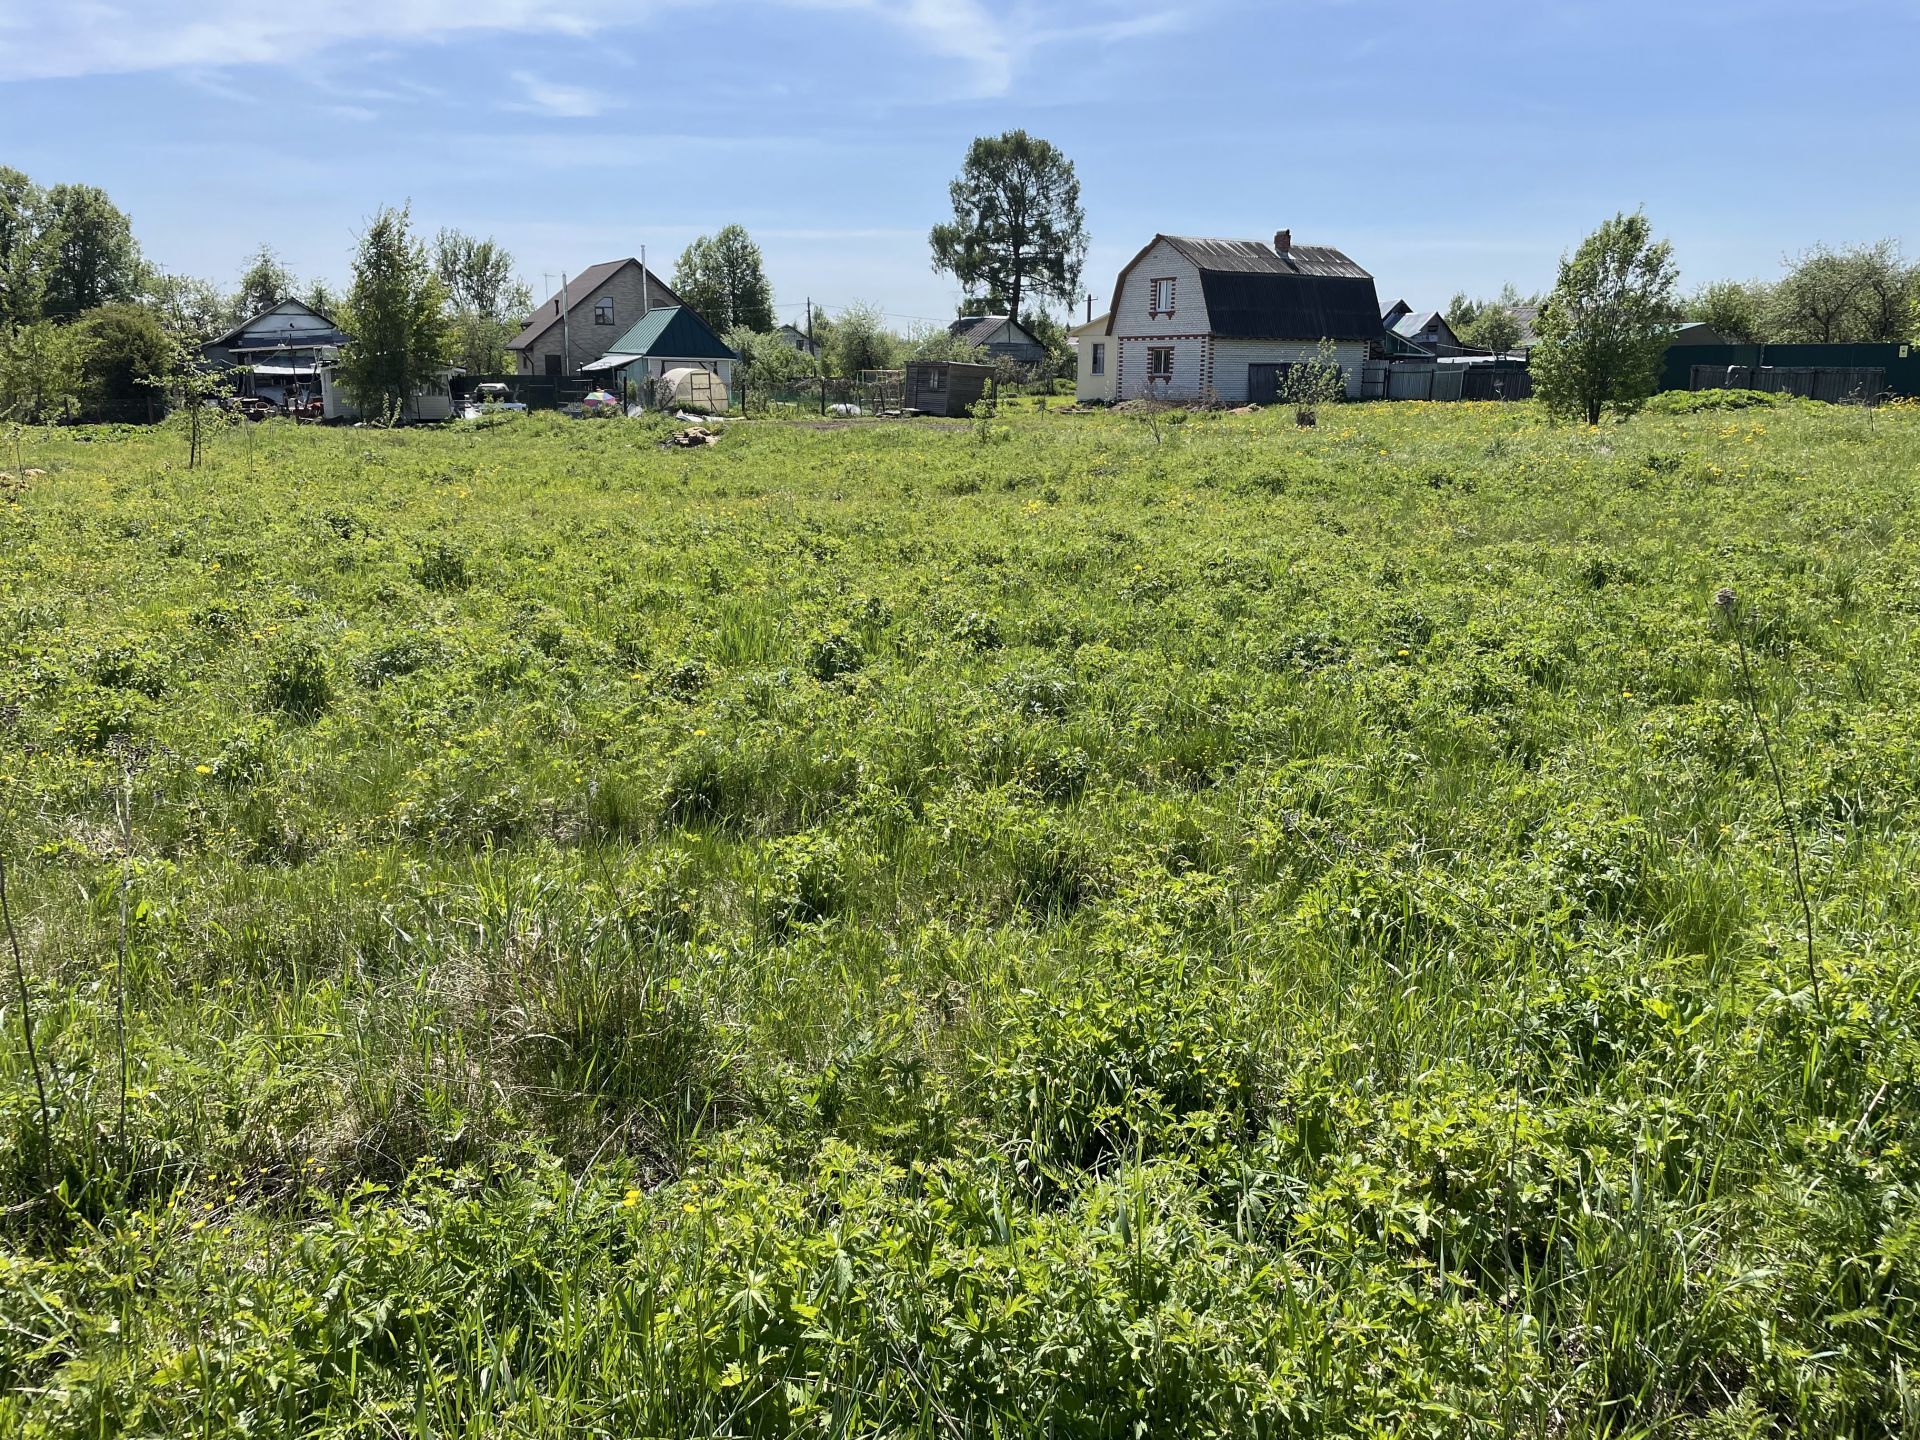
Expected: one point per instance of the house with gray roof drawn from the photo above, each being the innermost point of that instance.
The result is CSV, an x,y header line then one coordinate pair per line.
x,y
1226,319
579,323
999,335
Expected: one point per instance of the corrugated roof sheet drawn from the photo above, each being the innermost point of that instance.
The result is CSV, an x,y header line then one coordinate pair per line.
x,y
1266,306
1257,257
673,332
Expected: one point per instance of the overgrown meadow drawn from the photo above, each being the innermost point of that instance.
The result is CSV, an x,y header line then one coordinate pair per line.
x,y
1067,927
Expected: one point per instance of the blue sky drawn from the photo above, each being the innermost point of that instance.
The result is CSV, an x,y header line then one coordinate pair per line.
x,y
1442,145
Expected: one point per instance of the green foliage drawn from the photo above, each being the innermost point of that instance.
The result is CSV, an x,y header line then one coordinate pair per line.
x,y
263,284
126,349
1598,339
1736,309
722,277
857,931
395,311
1018,231
90,255
43,370
859,340
1493,327
486,302
1312,383
1864,294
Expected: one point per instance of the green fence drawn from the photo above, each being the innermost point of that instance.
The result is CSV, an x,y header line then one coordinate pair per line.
x,y
1900,362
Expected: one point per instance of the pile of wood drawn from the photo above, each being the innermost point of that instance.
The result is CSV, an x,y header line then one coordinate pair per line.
x,y
695,435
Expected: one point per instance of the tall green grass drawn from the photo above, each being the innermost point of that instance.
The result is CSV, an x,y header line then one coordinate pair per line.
x,y
1062,931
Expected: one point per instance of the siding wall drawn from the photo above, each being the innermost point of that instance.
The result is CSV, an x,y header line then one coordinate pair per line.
x,y
591,341
1134,327
1231,358
1087,385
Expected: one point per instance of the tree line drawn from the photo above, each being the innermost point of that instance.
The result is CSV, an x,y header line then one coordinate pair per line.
x,y
89,327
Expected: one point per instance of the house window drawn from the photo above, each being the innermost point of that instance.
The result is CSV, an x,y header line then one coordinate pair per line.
x,y
603,311
1099,358
936,381
1160,298
1160,363
553,364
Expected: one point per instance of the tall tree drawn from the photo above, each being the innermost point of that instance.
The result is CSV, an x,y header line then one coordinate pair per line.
x,y
396,313
191,310
1599,336
263,284
1733,308
486,302
1867,293
722,276
93,259
1017,230
23,247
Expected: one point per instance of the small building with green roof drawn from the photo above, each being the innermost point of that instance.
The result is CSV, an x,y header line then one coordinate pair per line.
x,y
675,342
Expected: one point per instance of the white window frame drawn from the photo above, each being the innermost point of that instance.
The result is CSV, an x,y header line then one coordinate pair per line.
x,y
1154,373
1156,309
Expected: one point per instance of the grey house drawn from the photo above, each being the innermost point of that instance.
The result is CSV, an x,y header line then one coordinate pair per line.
x,y
999,335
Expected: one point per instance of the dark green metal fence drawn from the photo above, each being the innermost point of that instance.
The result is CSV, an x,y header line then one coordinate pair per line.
x,y
1900,363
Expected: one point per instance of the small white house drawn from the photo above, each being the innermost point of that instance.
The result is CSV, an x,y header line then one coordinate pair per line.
x,y
1093,375
1224,320
432,401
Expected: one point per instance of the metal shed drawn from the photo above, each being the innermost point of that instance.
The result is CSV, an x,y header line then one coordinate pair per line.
x,y
944,387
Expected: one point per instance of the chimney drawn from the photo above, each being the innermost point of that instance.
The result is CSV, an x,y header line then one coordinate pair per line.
x,y
1283,241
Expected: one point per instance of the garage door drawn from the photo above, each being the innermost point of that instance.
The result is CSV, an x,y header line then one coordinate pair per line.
x,y
1263,383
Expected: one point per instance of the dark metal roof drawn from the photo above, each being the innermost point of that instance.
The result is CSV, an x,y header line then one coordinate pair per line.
x,y
1290,307
1256,257
1254,292
579,288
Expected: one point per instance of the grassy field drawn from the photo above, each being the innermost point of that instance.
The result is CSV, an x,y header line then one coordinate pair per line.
x,y
1049,929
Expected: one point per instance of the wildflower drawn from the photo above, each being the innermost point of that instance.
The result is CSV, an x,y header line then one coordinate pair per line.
x,y
203,769
1404,650
630,1199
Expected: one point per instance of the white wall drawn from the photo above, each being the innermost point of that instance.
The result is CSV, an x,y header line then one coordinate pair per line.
x,y
1134,325
1189,379
1231,358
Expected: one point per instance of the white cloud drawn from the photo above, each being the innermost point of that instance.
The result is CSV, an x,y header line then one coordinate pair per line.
x,y
549,97
41,41
992,41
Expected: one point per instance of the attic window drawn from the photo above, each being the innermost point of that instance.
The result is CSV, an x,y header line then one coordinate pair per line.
x,y
1160,297
603,311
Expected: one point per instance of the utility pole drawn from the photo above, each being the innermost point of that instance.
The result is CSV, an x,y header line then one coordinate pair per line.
x,y
566,331
1089,307
646,299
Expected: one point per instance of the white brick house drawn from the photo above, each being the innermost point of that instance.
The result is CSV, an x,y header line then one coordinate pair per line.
x,y
1223,319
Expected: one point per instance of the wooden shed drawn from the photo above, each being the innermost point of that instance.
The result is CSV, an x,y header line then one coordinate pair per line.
x,y
944,387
